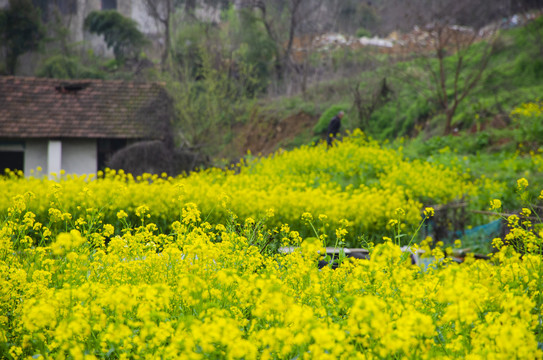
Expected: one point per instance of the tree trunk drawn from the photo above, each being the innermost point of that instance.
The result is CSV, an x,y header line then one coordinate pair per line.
x,y
11,62
167,42
449,114
448,122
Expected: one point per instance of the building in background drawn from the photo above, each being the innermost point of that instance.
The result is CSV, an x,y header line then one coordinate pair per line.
x,y
74,12
75,125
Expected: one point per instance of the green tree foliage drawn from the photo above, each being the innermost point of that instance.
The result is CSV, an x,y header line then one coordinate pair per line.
x,y
208,101
216,73
211,82
361,32
21,31
120,33
68,67
532,35
256,48
188,42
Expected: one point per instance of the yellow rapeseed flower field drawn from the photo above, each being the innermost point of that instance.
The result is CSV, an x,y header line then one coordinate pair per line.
x,y
181,268
358,181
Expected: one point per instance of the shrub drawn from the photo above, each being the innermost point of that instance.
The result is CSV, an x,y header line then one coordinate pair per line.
x,y
528,119
68,67
361,32
120,33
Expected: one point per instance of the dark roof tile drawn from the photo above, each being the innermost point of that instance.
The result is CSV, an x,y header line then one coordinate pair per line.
x,y
52,108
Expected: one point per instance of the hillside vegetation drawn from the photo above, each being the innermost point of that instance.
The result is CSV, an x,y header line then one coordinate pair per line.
x,y
409,108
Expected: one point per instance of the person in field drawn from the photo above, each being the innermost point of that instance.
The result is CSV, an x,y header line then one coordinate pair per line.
x,y
333,128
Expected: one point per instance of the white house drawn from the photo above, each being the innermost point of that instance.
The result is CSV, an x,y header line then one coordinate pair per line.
x,y
76,125
74,12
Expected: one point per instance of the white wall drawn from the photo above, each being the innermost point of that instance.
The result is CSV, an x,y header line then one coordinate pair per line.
x,y
80,156
147,24
77,156
35,155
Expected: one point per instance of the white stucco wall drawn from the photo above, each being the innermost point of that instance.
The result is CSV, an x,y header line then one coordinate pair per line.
x,y
80,156
147,24
35,155
77,156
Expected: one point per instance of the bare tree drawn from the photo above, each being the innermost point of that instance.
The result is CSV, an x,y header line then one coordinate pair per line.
x,y
455,69
448,40
283,21
162,11
369,99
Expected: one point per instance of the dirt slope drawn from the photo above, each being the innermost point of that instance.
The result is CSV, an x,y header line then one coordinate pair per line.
x,y
264,136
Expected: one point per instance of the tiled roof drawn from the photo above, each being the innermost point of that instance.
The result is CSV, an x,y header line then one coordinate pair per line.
x,y
52,108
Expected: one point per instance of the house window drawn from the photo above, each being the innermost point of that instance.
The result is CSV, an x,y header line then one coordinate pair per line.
x,y
109,4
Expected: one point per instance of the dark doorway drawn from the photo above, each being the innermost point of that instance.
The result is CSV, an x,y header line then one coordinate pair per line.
x,y
13,160
106,148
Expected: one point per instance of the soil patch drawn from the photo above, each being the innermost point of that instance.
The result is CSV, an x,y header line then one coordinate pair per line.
x,y
264,136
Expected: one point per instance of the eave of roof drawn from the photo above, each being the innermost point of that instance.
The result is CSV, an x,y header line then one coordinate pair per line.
x,y
53,108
